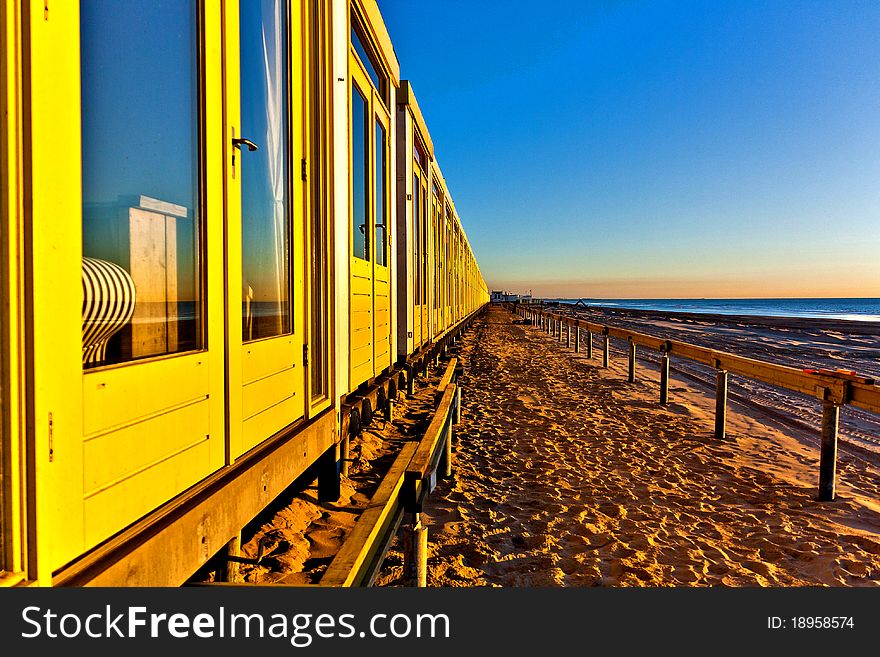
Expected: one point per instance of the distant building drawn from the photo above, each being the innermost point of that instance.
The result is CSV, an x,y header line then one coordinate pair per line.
x,y
498,296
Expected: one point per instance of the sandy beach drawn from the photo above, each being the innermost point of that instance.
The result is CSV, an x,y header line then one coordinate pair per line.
x,y
567,475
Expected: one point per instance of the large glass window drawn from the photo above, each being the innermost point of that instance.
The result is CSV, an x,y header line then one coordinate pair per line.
x,y
417,241
381,187
140,152
369,66
438,209
320,255
360,241
264,172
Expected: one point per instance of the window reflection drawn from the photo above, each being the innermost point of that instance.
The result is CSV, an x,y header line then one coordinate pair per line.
x,y
360,237
367,61
140,188
381,219
264,189
417,242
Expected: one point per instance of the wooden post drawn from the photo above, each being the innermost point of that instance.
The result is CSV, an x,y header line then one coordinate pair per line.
x,y
721,404
415,553
664,379
632,362
345,450
456,418
606,355
230,570
828,451
568,336
589,344
390,410
447,458
577,340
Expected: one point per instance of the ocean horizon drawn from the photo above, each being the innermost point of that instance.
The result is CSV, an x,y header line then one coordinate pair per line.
x,y
854,309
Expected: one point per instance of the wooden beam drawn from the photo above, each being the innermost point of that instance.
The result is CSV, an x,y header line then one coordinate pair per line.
x,y
448,376
351,565
421,461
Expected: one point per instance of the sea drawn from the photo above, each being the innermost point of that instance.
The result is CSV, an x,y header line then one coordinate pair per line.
x,y
865,310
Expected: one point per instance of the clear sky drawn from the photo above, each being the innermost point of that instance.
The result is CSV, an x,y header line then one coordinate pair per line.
x,y
656,149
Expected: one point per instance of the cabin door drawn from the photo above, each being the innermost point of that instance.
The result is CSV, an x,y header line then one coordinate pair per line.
x,y
151,259
369,236
265,223
381,238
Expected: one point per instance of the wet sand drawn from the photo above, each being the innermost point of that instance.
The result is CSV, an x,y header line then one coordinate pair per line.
x,y
568,475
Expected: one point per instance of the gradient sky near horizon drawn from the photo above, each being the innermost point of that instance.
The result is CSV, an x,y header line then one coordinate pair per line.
x,y
656,149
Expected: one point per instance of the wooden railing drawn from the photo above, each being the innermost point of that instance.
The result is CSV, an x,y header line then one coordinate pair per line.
x,y
834,388
402,492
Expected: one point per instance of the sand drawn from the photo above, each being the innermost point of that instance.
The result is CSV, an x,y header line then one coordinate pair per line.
x,y
568,475
302,534
795,342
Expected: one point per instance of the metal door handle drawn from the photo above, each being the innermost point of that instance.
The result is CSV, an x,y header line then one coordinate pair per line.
x,y
239,142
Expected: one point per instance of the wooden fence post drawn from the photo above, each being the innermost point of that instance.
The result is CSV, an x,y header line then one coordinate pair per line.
x,y
632,361
577,340
606,354
664,379
828,451
415,553
568,336
589,344
721,404
345,454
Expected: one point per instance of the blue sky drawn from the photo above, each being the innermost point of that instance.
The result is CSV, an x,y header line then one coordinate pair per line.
x,y
656,149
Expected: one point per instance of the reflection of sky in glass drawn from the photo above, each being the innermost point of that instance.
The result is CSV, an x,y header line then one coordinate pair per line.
x,y
417,241
139,122
264,172
365,59
380,194
359,228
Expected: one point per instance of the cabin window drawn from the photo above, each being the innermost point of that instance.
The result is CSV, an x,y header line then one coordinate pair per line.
x,y
417,241
381,204
320,251
438,211
369,63
360,241
419,154
141,220
265,246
